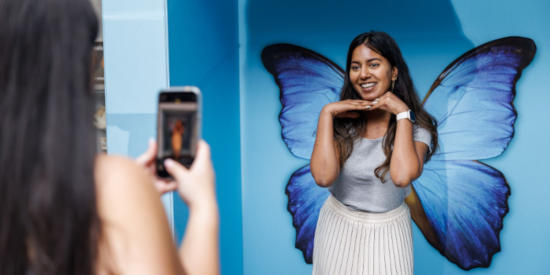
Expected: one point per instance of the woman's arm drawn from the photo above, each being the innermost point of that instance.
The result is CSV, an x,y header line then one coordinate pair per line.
x,y
324,158
199,251
408,156
136,237
324,164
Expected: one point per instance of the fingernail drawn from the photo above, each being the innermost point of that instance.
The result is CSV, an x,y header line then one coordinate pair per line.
x,y
168,162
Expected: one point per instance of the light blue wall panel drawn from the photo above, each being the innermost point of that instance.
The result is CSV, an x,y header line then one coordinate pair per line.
x,y
135,54
136,67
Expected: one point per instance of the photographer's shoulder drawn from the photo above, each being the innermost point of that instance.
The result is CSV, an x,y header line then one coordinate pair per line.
x,y
122,184
133,221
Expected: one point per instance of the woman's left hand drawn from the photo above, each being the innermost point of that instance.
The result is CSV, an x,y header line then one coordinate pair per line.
x,y
388,102
148,161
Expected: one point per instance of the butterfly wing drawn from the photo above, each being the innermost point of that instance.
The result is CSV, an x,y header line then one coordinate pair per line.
x,y
472,99
307,81
465,201
305,200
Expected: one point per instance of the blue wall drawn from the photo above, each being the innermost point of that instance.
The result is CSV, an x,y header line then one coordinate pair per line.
x,y
431,34
204,52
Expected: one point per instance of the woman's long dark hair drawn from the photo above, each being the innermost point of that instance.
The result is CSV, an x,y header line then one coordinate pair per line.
x,y
48,215
346,130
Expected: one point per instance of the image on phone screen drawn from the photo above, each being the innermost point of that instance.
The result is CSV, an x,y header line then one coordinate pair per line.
x,y
177,128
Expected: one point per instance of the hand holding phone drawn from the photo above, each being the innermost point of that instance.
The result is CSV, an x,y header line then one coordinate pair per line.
x,y
178,126
148,161
196,186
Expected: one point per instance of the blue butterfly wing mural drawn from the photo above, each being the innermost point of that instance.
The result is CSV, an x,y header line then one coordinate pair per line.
x,y
307,82
463,199
458,203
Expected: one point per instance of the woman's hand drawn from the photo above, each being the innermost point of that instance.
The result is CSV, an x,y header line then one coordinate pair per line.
x,y
195,185
388,102
346,108
199,250
148,161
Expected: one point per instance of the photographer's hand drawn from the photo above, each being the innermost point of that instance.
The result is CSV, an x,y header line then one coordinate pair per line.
x,y
196,184
199,250
147,161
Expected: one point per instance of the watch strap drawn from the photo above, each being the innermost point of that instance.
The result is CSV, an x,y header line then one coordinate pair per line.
x,y
403,115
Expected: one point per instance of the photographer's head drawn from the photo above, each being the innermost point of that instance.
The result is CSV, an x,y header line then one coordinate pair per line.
x,y
48,217
45,70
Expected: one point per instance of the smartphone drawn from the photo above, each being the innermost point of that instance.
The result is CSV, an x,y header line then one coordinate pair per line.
x,y
178,126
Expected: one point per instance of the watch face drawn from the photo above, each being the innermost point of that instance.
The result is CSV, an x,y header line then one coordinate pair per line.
x,y
412,116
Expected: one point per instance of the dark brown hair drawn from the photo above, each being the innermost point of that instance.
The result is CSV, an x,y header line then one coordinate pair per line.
x,y
48,215
346,130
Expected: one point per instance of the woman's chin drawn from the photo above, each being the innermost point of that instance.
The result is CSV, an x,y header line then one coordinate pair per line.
x,y
370,96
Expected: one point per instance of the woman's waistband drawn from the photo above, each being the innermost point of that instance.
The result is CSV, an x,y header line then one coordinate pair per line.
x,y
367,217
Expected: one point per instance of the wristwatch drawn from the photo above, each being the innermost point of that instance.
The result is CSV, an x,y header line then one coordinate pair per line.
x,y
409,114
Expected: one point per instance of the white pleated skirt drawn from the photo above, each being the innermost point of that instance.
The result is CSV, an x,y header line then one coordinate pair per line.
x,y
357,242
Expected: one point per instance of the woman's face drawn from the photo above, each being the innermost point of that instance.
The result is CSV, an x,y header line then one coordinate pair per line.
x,y
370,73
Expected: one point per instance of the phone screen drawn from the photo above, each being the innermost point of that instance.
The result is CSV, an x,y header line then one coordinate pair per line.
x,y
178,126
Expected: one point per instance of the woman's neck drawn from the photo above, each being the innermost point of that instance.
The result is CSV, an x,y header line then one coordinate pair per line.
x,y
377,124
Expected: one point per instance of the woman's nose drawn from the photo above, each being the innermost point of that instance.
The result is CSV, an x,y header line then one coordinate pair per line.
x,y
364,73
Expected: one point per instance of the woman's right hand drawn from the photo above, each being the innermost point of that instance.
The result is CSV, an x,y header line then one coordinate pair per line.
x,y
199,251
347,108
196,185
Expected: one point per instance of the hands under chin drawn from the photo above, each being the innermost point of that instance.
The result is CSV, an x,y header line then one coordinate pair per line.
x,y
388,102
351,108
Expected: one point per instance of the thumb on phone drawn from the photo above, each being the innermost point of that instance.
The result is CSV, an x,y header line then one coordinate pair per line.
x,y
174,168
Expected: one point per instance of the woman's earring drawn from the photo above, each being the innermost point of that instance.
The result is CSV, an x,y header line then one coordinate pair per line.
x,y
392,85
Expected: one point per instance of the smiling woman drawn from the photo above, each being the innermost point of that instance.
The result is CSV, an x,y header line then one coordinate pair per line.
x,y
369,148
371,73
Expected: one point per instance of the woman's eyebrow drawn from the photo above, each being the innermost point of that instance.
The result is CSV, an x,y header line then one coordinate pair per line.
x,y
368,60
374,59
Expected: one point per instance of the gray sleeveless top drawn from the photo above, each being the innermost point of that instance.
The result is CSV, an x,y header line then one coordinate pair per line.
x,y
358,187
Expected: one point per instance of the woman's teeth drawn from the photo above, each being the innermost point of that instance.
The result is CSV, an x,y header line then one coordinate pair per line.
x,y
367,85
